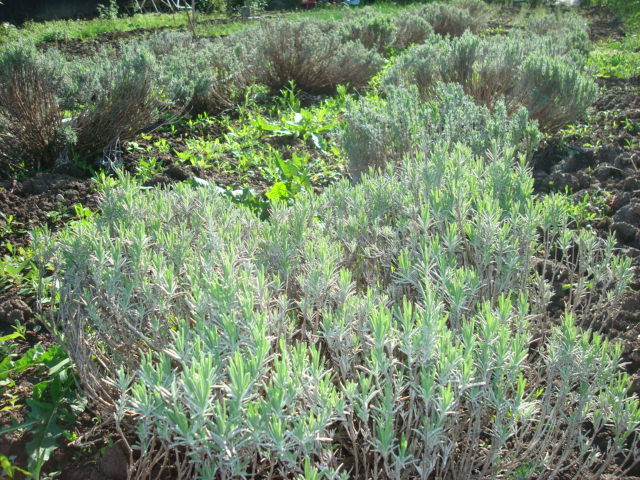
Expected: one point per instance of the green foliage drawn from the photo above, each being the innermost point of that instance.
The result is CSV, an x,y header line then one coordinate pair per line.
x,y
212,6
292,176
307,125
533,72
382,131
17,269
619,59
8,469
54,401
108,12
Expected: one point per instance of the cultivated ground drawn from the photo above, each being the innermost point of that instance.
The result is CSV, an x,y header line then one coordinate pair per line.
x,y
596,160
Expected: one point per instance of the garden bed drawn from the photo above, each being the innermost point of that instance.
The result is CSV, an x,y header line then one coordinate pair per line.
x,y
601,160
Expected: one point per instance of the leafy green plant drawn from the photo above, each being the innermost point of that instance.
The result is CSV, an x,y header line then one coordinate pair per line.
x,y
54,401
8,469
9,226
109,11
200,152
292,175
148,168
303,125
18,269
618,59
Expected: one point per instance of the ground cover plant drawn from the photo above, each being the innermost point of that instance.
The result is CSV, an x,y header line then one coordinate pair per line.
x,y
308,261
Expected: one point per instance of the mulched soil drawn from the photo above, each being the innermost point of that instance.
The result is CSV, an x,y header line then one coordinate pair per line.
x,y
612,166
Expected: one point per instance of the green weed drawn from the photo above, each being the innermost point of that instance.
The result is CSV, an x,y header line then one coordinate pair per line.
x,y
54,401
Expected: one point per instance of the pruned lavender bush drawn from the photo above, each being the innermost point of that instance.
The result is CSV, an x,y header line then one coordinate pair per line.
x,y
411,29
553,93
31,121
530,72
374,31
381,131
126,102
53,107
200,74
450,19
567,29
377,330
315,57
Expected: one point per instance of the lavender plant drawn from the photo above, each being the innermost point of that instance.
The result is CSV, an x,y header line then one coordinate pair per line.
x,y
381,329
312,54
378,131
531,72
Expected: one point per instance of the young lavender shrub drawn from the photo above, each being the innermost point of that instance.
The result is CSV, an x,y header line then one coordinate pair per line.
x,y
381,329
285,53
524,71
410,29
380,131
553,93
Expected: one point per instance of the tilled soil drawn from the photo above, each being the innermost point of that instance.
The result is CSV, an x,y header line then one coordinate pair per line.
x,y
607,168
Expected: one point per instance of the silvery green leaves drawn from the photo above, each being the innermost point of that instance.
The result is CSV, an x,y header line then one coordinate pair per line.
x,y
536,72
379,131
380,329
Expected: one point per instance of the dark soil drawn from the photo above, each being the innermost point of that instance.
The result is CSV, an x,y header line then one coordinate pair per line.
x,y
604,24
608,168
